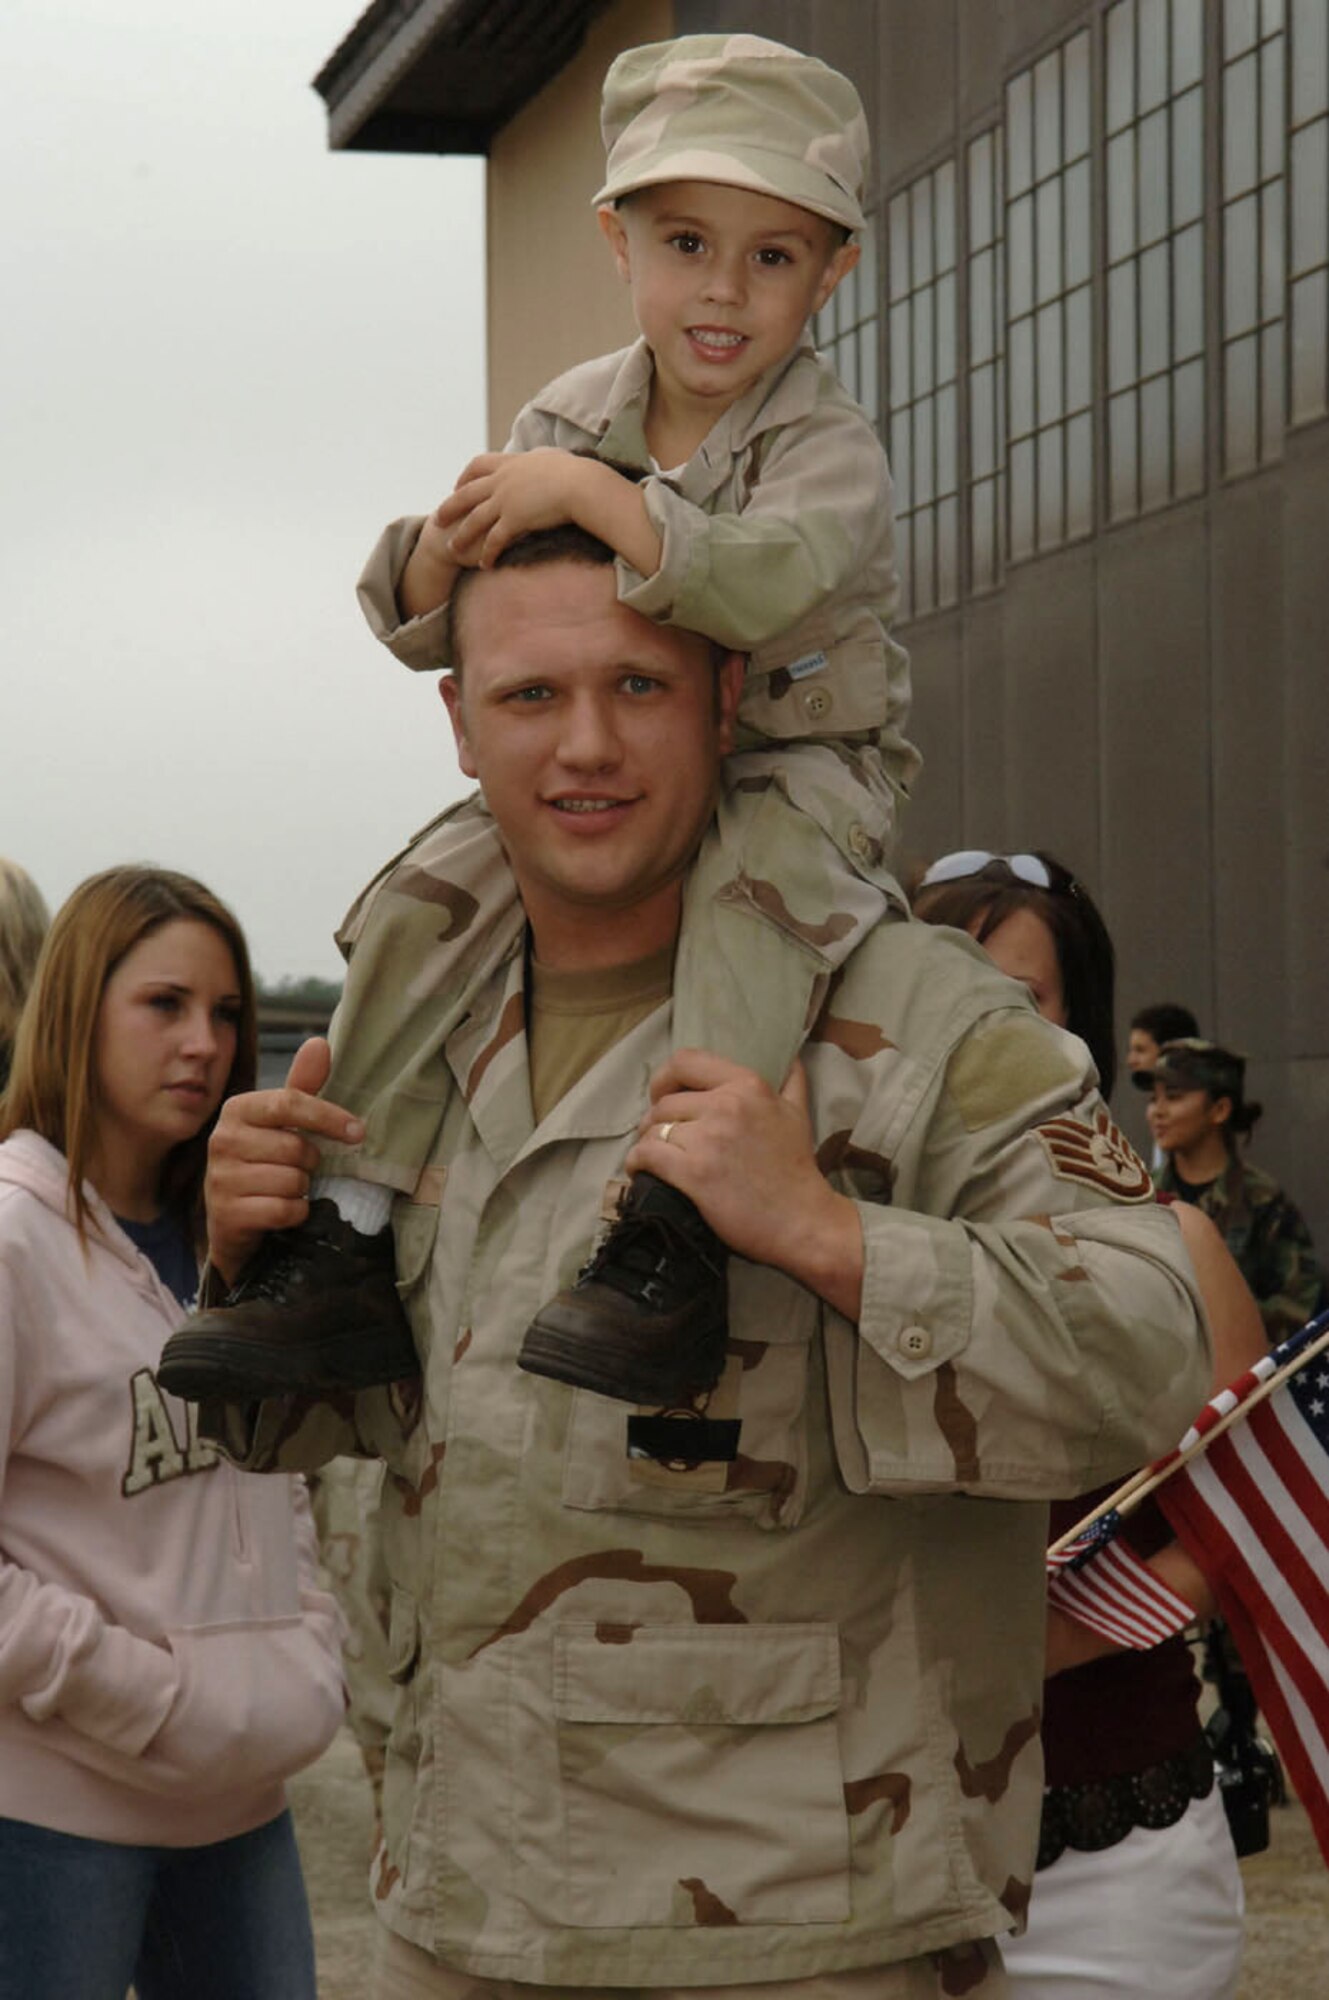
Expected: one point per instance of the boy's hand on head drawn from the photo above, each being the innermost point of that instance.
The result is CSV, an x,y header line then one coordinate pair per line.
x,y
430,572
502,495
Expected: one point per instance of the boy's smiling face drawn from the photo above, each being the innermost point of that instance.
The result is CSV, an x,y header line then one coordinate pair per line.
x,y
723,283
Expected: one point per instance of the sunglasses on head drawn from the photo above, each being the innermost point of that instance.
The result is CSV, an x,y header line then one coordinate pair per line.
x,y
1028,868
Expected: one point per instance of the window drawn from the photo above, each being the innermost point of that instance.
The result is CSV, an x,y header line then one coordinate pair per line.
x,y
846,330
1049,339
1308,261
1155,252
1254,259
921,389
986,355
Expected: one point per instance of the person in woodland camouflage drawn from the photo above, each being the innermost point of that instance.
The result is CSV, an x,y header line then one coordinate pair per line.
x,y
745,1692
1199,1115
1166,1021
746,497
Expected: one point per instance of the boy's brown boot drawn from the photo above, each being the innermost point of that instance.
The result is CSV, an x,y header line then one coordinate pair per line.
x,y
646,1321
317,1309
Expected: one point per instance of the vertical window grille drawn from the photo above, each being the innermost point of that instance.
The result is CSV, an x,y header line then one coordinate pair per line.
x,y
1308,237
1154,120
846,330
1254,140
1049,342
986,361
921,389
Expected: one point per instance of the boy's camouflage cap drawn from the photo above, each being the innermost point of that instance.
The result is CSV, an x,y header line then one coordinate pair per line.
x,y
739,110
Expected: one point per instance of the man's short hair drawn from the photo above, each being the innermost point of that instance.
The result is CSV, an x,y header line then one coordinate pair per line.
x,y
565,543
1166,1022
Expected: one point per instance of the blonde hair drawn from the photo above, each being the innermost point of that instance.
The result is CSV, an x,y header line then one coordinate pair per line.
x,y
53,1086
24,922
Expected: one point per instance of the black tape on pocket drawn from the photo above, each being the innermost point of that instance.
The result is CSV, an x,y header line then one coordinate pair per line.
x,y
684,1442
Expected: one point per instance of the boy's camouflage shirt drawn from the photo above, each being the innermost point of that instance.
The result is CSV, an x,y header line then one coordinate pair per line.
x,y
762,1716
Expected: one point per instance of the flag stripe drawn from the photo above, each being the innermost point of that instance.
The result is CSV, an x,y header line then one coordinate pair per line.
x,y
1289,1716
1226,1400
1283,1648
1295,1447
1307,1732
1280,1505
1256,1527
1119,1596
1277,1616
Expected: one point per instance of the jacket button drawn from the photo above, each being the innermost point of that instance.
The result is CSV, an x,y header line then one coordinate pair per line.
x,y
916,1341
861,844
816,703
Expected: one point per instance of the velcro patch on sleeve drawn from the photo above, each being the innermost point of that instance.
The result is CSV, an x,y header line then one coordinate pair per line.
x,y
1098,1154
999,1071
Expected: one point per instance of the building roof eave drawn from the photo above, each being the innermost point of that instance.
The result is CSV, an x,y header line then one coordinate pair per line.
x,y
443,76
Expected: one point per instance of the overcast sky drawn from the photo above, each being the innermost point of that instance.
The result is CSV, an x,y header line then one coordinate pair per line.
x,y
227,356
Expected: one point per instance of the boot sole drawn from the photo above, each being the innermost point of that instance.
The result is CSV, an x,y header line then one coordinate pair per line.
x,y
562,1357
220,1366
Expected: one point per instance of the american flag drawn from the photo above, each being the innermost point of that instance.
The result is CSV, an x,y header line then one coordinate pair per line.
x,y
1247,1492
1252,1507
1101,1582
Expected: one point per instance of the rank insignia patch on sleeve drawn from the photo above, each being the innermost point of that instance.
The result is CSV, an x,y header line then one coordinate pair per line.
x,y
1099,1154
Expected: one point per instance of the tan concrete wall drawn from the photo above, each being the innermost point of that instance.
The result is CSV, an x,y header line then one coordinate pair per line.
x,y
553,295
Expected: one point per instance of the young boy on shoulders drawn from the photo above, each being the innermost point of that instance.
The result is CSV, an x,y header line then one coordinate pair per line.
x,y
746,497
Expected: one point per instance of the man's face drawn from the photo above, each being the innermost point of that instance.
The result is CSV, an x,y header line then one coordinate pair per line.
x,y
1141,1050
597,739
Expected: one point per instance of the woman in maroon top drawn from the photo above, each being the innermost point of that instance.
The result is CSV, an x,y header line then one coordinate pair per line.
x,y
1137,1888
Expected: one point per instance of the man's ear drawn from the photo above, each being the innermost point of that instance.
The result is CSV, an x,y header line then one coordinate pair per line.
x,y
840,265
729,692
611,225
450,689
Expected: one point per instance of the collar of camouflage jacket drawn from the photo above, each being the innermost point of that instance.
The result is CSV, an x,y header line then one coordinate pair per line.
x,y
781,396
487,1054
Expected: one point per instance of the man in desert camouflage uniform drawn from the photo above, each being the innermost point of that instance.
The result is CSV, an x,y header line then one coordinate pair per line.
x,y
744,1693
344,1497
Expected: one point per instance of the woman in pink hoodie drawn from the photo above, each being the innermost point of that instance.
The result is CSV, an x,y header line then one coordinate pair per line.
x,y
166,1657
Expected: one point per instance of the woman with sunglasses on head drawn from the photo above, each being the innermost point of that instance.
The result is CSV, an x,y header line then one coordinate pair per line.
x,y
1199,1114
1137,1888
166,1658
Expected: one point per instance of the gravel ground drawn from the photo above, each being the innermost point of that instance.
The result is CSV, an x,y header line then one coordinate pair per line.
x,y
1287,1914
1287,1891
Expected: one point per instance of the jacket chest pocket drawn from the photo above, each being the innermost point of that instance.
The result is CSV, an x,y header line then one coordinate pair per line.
x,y
701,1777
759,1406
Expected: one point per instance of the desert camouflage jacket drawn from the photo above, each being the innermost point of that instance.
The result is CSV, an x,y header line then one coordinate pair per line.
x,y
768,1704
1268,1237
778,540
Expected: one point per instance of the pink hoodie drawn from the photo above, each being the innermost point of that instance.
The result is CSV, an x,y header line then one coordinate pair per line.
x,y
166,1657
